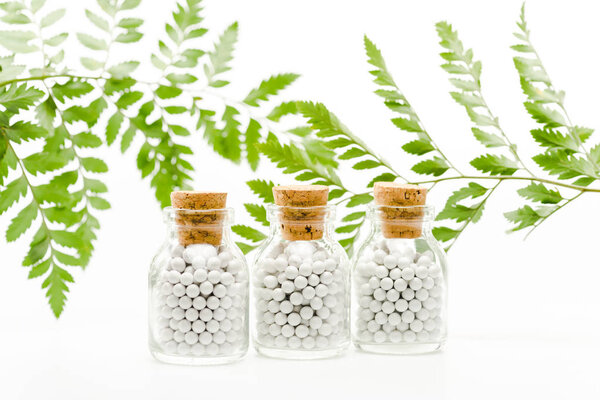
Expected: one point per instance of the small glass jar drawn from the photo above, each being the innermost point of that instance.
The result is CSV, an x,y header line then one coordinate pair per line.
x,y
301,286
198,292
399,284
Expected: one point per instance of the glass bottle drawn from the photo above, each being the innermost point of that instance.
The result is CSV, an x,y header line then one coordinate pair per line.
x,y
301,284
198,291
399,283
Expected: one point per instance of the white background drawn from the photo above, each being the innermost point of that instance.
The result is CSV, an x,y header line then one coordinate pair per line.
x,y
523,316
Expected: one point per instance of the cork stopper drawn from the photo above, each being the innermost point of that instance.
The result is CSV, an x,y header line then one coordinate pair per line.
x,y
400,222
199,227
298,220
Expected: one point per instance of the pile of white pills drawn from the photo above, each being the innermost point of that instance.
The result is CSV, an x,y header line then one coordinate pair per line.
x,y
201,302
301,292
400,294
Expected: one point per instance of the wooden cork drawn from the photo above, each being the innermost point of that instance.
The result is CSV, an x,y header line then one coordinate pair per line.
x,y
400,222
298,221
199,227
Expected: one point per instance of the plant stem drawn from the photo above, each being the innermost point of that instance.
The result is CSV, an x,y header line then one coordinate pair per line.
x,y
551,213
44,77
508,178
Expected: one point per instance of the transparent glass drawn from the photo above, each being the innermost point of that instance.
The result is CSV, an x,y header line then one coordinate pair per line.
x,y
301,289
198,294
400,285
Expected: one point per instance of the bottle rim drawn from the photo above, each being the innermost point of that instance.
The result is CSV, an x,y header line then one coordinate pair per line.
x,y
302,215
210,217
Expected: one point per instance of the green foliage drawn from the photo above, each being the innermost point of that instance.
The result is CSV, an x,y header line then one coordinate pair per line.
x,y
55,192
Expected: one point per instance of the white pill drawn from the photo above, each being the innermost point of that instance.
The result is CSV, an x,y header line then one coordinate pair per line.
x,y
214,277
206,315
316,303
308,292
386,283
381,271
392,295
400,284
177,251
192,290
379,255
422,294
213,302
191,314
296,298
318,267
212,326
166,334
373,326
401,305
381,318
320,255
173,276
313,280
219,314
422,314
294,319
387,307
390,261
395,273
166,288
415,284
291,272
184,325
306,312
326,277
404,262
309,342
226,302
172,301
430,303
330,301
213,263
394,318
416,326
301,331
220,290
287,331
429,325
305,269
408,294
199,262
200,275
379,294
270,281
191,338
424,260
184,302
321,290
395,336
288,287
280,318
183,348
286,307
178,290
325,329
205,338
408,317
408,273
177,264
300,282
278,294
379,337
178,336
375,306
324,312
374,282
178,313
206,288
421,272
198,326
235,266
330,264
322,342
414,305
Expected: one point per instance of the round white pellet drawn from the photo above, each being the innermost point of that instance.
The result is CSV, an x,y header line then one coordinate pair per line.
x,y
422,294
287,331
173,276
421,272
220,290
192,290
173,324
330,264
235,266
316,303
309,343
166,334
429,325
177,251
374,282
191,314
390,261
404,262
308,292
373,326
330,301
191,338
206,288
273,306
184,325
301,331
213,263
408,294
379,294
291,272
206,315
424,260
364,301
325,329
219,314
435,291
199,303
400,284
185,302
326,277
394,318
395,273
395,336
379,337
213,302
178,336
288,287
409,336
414,305
166,288
415,284
318,267
186,278
214,277
321,290
280,318
379,255
270,281
322,342
278,294
178,313
408,273
205,338
381,271
198,326
306,312
375,306
381,318
300,282
387,307
212,326
422,314
178,290
226,302
199,262
315,322
294,342
416,326
172,301
408,317
392,295
177,264
305,269
286,307
183,348
296,298
294,319
430,303
200,275
386,283
324,312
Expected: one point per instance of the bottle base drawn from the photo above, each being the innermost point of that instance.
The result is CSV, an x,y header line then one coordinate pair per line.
x,y
290,354
196,361
400,348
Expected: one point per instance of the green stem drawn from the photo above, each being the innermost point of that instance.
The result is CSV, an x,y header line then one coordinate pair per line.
x,y
541,221
44,77
508,178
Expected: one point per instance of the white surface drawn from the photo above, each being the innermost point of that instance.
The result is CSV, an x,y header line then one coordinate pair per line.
x,y
523,316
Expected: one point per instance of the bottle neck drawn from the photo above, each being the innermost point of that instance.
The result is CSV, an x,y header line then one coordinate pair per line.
x,y
301,223
198,226
396,222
